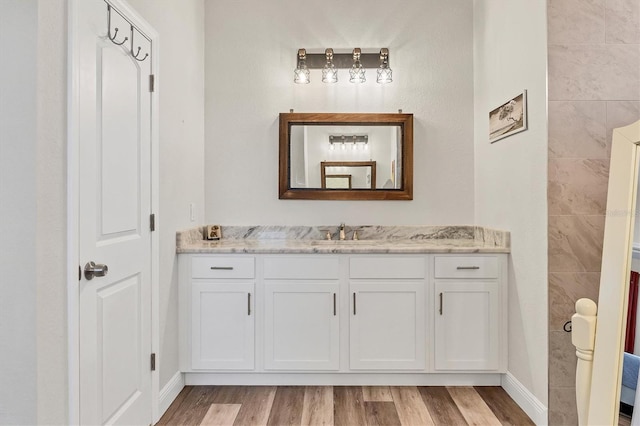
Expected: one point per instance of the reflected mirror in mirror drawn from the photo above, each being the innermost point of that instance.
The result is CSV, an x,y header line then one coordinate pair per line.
x,y
348,174
346,156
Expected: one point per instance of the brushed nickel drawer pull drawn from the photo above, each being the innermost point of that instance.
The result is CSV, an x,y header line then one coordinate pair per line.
x,y
354,303
222,268
468,267
334,304
440,304
248,303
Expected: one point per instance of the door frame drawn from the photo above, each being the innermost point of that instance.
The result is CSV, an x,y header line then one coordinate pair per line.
x,y
73,205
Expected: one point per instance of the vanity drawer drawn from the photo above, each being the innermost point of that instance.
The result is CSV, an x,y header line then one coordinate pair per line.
x,y
387,267
302,268
222,267
466,267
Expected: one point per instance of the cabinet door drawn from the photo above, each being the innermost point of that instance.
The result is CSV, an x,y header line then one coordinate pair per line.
x,y
222,326
387,325
301,325
467,328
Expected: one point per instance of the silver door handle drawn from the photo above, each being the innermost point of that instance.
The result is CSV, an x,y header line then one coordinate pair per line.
x,y
93,269
222,268
468,267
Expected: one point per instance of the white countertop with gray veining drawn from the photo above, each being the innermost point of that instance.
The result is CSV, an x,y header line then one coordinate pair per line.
x,y
373,239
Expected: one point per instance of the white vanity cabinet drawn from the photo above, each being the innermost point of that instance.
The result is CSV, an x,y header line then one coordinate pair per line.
x,y
469,313
387,313
221,319
343,318
301,313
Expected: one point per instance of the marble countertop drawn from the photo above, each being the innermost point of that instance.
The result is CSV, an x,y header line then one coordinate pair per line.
x,y
374,239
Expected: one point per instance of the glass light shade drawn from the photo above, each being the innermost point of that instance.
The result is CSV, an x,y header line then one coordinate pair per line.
x,y
356,73
301,74
329,73
384,75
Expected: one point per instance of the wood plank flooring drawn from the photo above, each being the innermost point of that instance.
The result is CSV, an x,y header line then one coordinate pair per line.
x,y
343,405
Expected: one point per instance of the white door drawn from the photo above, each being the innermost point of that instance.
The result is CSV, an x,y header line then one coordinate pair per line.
x,y
222,328
114,208
467,325
301,326
387,326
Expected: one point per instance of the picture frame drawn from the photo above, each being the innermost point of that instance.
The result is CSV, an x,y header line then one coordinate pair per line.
x,y
509,118
214,232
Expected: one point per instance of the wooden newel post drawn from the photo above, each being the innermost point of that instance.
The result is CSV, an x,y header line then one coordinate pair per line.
x,y
583,335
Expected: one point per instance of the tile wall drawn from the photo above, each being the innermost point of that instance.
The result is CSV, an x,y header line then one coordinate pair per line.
x,y
594,87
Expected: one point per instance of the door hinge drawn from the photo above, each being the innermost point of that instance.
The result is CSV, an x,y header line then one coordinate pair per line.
x,y
152,222
153,362
152,83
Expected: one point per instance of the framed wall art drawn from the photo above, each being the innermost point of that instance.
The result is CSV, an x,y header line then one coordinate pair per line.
x,y
509,118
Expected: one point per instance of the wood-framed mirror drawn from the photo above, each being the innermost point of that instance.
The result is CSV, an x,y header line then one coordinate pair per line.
x,y
343,142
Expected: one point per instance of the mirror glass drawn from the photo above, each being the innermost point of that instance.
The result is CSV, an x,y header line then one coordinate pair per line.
x,y
346,156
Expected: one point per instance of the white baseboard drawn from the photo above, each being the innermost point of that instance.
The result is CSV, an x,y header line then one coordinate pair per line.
x,y
342,379
170,392
525,399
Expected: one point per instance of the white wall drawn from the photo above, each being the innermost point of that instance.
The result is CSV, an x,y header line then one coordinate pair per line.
x,y
510,175
251,51
18,41
51,176
180,25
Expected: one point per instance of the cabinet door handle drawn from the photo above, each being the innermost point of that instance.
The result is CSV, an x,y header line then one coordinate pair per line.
x,y
222,268
468,267
440,310
248,303
334,304
354,303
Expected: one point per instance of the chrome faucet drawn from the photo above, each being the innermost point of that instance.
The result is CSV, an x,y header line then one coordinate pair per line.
x,y
342,234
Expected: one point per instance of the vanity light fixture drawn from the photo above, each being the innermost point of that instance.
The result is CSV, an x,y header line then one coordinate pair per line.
x,y
384,72
329,62
301,73
329,71
356,73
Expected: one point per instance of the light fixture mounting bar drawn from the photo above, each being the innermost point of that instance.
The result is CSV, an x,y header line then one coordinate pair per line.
x,y
348,138
342,60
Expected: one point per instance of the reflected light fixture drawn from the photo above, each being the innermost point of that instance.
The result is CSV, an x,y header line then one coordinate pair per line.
x,y
329,71
356,73
329,62
384,72
301,73
343,140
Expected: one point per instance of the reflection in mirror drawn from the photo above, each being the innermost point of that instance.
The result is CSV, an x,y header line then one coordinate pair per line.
x,y
313,145
337,182
346,156
629,396
360,174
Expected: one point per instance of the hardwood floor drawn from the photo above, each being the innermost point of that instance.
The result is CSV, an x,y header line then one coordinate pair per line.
x,y
343,405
